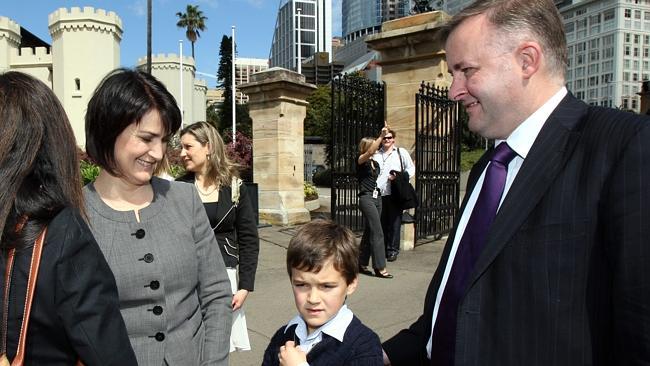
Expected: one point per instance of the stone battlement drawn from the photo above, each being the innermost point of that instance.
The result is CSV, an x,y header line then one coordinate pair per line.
x,y
86,18
31,56
10,25
162,58
9,30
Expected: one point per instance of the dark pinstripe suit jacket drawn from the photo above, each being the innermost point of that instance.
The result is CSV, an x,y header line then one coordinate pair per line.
x,y
564,278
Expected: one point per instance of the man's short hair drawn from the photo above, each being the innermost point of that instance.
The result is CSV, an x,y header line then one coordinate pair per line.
x,y
538,19
319,241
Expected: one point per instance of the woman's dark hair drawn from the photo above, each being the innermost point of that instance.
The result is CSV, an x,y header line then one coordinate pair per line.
x,y
39,166
122,98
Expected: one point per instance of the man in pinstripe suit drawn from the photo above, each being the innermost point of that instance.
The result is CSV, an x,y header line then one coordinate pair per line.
x,y
563,273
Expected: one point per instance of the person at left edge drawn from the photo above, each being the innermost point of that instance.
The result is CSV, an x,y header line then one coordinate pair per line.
x,y
172,282
75,311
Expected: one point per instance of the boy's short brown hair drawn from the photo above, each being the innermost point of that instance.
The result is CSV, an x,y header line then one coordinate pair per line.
x,y
320,240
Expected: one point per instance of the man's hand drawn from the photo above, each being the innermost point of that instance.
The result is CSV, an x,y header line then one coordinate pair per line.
x,y
290,355
238,299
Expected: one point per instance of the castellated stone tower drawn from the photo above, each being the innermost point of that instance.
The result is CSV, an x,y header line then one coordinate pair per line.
x,y
9,41
85,47
165,67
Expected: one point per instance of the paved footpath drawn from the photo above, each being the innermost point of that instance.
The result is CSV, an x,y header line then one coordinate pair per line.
x,y
385,305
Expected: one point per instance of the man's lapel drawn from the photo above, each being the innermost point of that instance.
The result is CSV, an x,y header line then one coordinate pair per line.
x,y
548,155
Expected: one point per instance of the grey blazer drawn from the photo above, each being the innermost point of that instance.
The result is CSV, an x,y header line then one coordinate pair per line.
x,y
174,291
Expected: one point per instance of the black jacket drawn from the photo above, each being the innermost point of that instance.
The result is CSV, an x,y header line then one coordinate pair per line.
x,y
235,229
75,311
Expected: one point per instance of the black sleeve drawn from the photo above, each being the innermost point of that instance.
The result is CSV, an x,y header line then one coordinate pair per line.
x,y
248,241
87,300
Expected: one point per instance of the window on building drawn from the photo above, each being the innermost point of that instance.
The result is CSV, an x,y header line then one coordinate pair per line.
x,y
626,103
636,52
637,14
626,64
646,52
580,59
569,27
580,83
637,38
627,51
593,69
634,103
628,13
635,76
594,19
609,14
626,76
580,95
628,37
580,72
594,55
645,77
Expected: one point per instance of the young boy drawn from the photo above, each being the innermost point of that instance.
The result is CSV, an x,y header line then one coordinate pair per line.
x,y
322,262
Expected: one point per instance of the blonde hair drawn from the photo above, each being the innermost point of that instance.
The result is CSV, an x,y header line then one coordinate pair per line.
x,y
365,144
220,169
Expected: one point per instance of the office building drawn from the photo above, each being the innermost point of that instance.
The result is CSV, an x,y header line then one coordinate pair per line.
x,y
244,68
452,7
609,50
304,25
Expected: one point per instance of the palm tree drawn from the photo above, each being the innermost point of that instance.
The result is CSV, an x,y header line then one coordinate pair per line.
x,y
193,21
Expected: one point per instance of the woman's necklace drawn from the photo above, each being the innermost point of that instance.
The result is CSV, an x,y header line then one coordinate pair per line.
x,y
201,192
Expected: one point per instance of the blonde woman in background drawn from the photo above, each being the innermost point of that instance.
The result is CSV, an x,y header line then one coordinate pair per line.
x,y
231,215
372,241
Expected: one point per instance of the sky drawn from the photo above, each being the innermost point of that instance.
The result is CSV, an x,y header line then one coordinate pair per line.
x,y
254,22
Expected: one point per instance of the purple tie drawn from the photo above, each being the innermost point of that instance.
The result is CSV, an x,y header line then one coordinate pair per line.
x,y
469,248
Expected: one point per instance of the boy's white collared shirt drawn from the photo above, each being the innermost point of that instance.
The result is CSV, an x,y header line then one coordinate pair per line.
x,y
334,327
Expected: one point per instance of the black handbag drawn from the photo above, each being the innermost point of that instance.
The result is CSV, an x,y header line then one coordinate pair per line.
x,y
401,191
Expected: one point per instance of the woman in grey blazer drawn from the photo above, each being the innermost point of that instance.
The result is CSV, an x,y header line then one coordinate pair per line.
x,y
172,283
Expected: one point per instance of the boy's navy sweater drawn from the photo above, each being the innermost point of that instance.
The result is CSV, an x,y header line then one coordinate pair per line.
x,y
360,347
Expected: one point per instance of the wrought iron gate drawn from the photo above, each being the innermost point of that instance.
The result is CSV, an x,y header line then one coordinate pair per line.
x,y
437,161
357,111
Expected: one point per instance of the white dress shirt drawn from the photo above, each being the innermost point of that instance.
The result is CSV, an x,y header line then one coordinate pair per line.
x,y
520,140
390,161
334,327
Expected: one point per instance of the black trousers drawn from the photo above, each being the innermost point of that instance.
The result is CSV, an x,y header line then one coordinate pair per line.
x,y
391,222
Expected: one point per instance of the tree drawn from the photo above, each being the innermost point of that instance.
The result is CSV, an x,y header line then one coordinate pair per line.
x,y
193,21
319,112
224,74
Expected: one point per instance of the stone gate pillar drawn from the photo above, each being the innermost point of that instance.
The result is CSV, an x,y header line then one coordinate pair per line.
x,y
278,107
410,51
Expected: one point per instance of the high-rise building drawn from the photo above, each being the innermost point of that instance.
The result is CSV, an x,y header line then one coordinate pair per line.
x,y
363,17
360,17
609,50
244,68
452,7
301,23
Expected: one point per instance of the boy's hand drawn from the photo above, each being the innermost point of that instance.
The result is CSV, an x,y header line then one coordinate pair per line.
x,y
290,355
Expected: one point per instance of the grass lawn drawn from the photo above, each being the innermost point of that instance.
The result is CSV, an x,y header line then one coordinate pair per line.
x,y
469,158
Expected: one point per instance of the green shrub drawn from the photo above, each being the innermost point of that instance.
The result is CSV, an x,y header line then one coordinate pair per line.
x,y
176,170
89,171
310,191
323,178
469,158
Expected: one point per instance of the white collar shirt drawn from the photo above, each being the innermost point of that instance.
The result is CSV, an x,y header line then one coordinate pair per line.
x,y
334,327
521,141
390,161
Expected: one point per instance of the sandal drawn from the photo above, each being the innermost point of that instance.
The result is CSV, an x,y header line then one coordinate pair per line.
x,y
364,270
383,273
